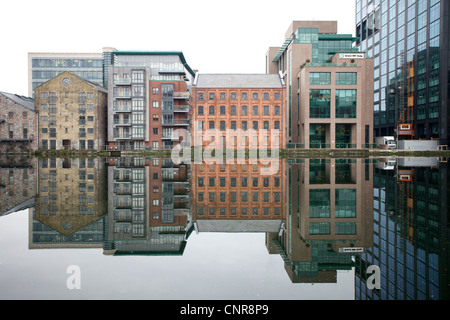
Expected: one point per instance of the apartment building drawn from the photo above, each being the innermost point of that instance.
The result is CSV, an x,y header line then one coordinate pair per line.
x,y
72,113
329,87
409,43
148,208
238,104
18,124
149,99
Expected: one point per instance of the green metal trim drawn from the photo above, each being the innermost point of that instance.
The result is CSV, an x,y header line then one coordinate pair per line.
x,y
337,37
282,49
157,53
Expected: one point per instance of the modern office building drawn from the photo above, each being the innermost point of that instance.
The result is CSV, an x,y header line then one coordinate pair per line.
x,y
18,124
72,113
329,86
411,233
239,103
409,41
149,99
45,66
329,219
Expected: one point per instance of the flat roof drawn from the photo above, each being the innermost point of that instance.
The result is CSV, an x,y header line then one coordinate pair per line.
x,y
238,81
158,53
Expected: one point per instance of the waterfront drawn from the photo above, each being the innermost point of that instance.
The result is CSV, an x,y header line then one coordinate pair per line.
x,y
146,228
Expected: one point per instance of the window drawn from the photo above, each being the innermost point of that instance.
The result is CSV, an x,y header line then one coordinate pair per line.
x,y
244,96
319,103
211,96
255,110
266,96
200,110
222,125
244,110
233,96
266,110
277,110
222,110
322,78
345,103
200,96
277,96
211,110
255,96
233,110
211,125
155,90
222,96
346,78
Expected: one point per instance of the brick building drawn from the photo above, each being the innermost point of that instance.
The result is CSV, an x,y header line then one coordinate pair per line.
x,y
238,103
17,123
72,113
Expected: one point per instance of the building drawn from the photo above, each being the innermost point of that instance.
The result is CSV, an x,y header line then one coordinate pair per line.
x,y
148,207
71,204
238,197
237,104
17,183
330,218
45,66
149,99
18,123
328,87
410,45
72,113
411,232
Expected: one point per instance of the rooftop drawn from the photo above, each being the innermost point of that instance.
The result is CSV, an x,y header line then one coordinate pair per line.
x,y
21,100
238,81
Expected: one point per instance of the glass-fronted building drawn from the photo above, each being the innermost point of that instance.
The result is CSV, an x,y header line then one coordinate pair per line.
x,y
408,40
45,66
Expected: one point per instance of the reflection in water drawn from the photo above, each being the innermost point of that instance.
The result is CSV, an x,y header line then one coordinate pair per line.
x,y
329,218
411,231
320,216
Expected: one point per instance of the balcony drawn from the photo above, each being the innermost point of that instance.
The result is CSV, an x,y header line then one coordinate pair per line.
x,y
181,95
176,122
123,123
184,109
122,81
122,109
122,95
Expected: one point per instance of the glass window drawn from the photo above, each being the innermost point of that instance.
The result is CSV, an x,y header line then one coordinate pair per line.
x,y
345,203
345,103
320,78
346,78
319,103
319,203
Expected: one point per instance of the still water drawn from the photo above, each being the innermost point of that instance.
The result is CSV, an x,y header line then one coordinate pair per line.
x,y
146,228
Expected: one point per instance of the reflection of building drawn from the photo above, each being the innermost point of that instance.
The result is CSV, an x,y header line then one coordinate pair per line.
x,y
148,207
238,103
409,43
411,234
238,197
329,86
72,113
149,97
70,203
329,220
17,183
17,124
45,66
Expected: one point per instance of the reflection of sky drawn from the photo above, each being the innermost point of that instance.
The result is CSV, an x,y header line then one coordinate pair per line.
x,y
213,266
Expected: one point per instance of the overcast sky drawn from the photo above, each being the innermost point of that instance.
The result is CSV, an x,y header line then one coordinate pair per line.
x,y
215,36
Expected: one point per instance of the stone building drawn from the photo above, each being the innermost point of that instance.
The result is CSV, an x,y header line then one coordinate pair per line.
x,y
17,123
72,113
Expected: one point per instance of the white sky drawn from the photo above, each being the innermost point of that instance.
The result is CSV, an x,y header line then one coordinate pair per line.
x,y
216,37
